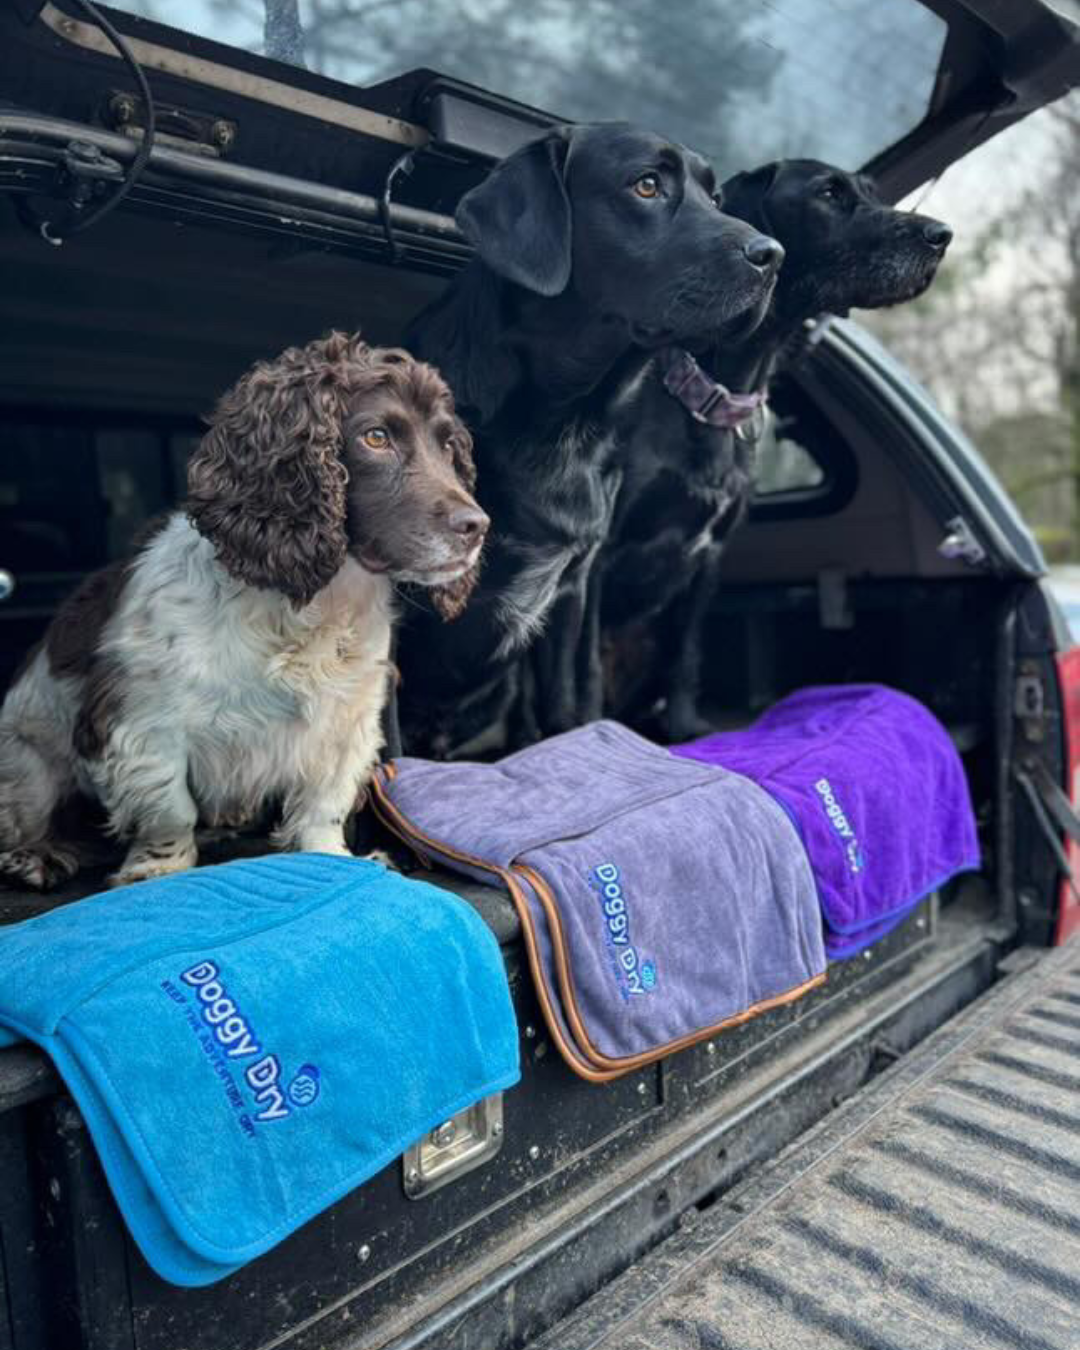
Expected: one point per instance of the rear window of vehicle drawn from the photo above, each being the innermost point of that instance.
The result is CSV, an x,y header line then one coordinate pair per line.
x,y
743,81
783,465
803,465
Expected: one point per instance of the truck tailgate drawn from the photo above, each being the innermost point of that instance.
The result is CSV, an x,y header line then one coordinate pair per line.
x,y
939,1208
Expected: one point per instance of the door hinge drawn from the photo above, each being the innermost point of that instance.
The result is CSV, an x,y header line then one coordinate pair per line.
x,y
197,132
1029,702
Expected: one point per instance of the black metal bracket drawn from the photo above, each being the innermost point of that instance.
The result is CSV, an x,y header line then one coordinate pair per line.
x,y
85,173
87,167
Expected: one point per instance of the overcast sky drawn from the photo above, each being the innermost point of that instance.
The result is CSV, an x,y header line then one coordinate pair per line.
x,y
880,55
975,189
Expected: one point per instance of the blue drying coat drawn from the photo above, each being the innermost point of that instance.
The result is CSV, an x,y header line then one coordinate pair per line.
x,y
249,1042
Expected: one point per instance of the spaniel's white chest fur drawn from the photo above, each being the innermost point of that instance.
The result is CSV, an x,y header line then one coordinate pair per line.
x,y
261,700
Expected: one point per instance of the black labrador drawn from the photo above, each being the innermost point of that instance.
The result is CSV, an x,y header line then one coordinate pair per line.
x,y
595,245
688,483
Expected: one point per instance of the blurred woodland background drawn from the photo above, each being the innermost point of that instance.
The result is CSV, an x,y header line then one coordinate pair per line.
x,y
997,338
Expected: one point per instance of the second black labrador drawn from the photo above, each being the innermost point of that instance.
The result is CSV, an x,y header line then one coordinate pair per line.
x,y
687,484
594,246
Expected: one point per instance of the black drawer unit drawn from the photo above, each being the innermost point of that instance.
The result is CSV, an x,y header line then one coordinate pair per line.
x,y
459,1243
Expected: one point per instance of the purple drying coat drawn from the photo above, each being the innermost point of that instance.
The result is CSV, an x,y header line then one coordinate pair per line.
x,y
878,793
660,899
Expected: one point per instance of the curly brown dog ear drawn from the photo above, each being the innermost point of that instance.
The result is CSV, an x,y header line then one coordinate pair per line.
x,y
267,484
333,449
242,655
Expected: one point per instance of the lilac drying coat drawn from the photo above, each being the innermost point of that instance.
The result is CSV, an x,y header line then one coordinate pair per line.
x,y
877,791
661,899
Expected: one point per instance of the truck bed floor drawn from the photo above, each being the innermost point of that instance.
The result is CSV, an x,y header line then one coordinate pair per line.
x,y
939,1209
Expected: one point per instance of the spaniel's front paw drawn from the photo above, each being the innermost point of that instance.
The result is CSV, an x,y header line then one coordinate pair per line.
x,y
146,861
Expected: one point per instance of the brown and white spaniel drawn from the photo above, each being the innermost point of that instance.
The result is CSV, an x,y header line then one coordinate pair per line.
x,y
242,655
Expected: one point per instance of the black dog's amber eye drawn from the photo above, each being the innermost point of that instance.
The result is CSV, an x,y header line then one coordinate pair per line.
x,y
647,186
377,438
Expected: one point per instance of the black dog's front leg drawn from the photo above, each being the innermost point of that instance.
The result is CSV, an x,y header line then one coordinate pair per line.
x,y
590,669
566,659
683,720
554,658
683,717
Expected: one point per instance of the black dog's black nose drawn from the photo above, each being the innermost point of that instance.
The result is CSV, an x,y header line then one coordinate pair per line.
x,y
468,521
764,252
937,234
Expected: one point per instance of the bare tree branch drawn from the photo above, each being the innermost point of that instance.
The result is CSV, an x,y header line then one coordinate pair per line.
x,y
283,35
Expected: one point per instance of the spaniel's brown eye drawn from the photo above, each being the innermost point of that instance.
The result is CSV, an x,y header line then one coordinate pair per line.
x,y
647,186
376,438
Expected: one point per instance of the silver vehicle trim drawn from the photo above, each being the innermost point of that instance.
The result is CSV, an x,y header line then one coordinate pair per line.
x,y
258,87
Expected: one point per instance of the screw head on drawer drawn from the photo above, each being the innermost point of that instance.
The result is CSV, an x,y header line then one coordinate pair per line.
x,y
444,1135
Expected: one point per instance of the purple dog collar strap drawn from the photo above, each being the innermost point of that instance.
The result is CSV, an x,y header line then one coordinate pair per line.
x,y
705,399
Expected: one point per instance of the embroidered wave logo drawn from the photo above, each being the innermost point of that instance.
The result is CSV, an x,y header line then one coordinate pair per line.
x,y
304,1087
856,859
230,1040
634,974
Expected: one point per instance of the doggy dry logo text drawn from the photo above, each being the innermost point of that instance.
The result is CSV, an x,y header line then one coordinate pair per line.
x,y
234,1051
634,975
841,825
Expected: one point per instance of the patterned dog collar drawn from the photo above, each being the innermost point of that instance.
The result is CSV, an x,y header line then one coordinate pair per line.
x,y
705,399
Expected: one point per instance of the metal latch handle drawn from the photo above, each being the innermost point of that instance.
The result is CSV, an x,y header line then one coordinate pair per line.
x,y
455,1147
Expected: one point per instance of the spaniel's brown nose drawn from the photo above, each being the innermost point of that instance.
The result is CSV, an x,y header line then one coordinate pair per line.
x,y
469,522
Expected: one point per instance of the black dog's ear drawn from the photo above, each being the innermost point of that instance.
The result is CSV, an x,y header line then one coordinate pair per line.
x,y
460,334
745,194
518,219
